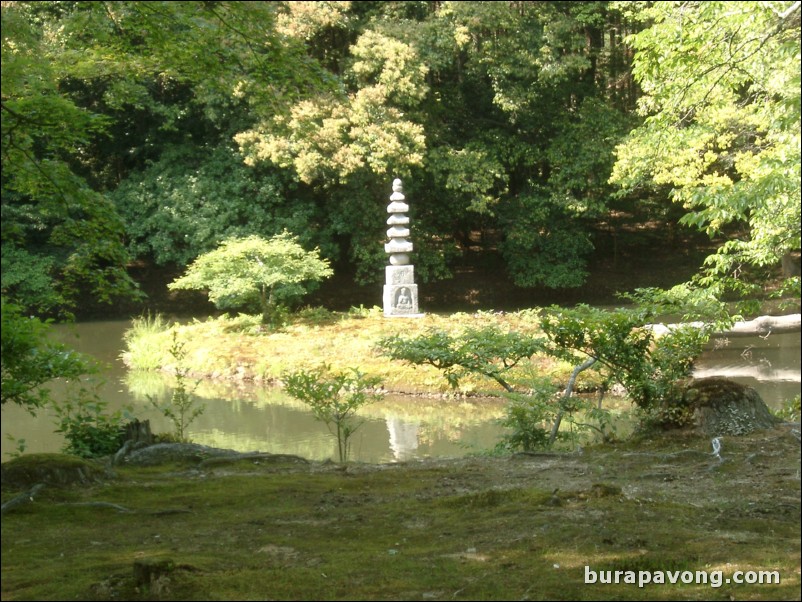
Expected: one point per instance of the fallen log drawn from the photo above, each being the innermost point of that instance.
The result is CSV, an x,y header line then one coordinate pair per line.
x,y
762,326
759,372
23,498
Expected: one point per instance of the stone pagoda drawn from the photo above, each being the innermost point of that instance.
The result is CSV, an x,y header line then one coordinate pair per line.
x,y
400,290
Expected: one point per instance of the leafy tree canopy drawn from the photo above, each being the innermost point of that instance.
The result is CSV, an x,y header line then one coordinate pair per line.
x,y
486,351
721,129
254,271
502,119
473,104
192,198
58,234
93,90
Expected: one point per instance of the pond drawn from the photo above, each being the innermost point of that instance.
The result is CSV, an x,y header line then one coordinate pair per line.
x,y
770,364
249,417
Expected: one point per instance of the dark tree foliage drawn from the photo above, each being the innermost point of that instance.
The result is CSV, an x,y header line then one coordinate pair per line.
x,y
30,361
504,119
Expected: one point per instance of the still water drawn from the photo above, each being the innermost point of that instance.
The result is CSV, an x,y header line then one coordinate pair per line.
x,y
255,418
250,417
771,365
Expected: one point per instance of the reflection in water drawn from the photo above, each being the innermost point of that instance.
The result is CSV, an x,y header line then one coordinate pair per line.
x,y
251,418
771,365
273,424
403,438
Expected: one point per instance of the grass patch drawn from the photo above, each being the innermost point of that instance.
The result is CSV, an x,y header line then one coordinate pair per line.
x,y
147,343
471,529
238,348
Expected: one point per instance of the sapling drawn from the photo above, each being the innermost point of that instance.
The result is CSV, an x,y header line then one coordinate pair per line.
x,y
181,409
334,398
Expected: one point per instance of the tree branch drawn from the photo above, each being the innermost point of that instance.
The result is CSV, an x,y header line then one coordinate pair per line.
x,y
569,389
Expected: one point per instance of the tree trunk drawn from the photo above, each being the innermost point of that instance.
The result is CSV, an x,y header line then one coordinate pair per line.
x,y
569,389
138,431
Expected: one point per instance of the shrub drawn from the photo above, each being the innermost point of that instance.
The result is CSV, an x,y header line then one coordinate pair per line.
x,y
252,271
30,361
651,368
527,417
89,431
790,411
334,398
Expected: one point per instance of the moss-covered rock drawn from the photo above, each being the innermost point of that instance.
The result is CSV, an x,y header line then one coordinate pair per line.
x,y
50,469
176,453
724,407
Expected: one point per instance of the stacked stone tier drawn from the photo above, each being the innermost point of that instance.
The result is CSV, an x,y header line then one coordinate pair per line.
x,y
400,290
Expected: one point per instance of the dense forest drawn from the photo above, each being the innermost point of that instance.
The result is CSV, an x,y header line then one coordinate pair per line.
x,y
538,140
149,132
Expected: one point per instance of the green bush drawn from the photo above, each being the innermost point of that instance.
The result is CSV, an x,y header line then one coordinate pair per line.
x,y
790,411
650,367
255,272
89,431
30,361
487,350
189,200
527,417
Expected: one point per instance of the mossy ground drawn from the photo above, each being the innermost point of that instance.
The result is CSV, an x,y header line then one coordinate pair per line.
x,y
520,527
